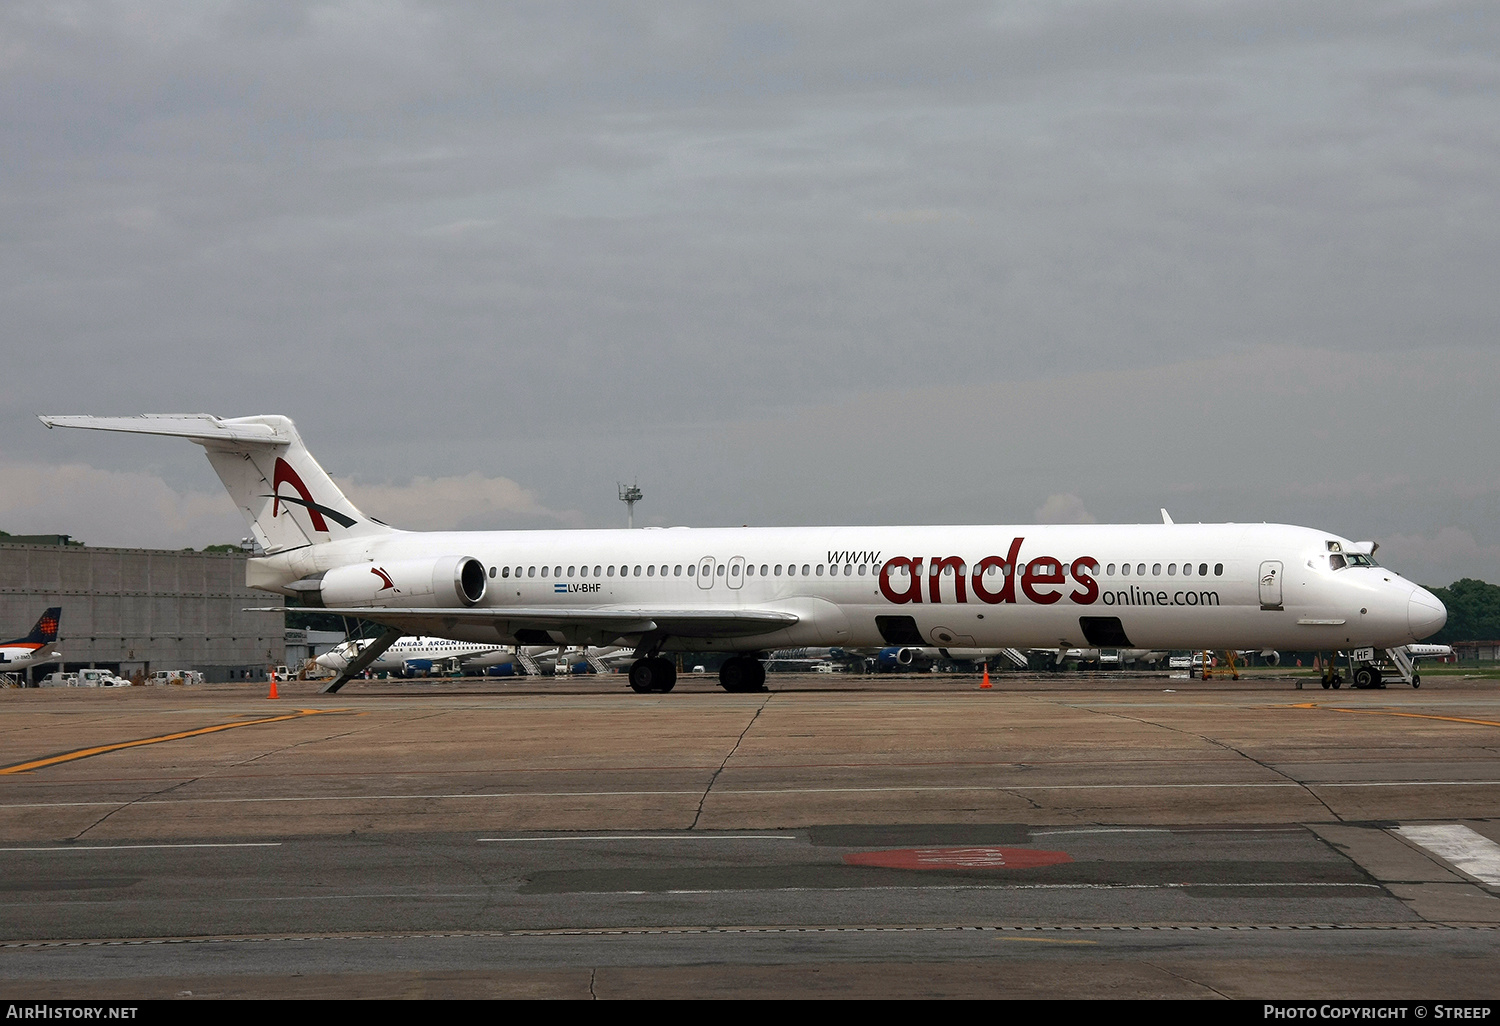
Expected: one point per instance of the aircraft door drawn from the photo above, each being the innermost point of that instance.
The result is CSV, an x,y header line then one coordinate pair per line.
x,y
736,575
1270,584
706,572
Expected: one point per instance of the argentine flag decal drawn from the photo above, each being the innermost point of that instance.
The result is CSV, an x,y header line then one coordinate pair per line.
x,y
559,589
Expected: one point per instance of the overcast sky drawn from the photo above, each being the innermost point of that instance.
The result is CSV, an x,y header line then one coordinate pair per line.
x,y
784,264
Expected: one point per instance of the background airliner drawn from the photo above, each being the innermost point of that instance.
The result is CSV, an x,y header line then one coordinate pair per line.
x,y
36,647
753,590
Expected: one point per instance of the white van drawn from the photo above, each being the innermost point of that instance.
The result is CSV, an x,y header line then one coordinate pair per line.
x,y
175,677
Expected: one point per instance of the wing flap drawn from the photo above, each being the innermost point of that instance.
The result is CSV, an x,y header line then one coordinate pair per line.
x,y
609,623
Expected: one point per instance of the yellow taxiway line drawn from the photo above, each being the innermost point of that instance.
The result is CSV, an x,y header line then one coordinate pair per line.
x,y
1392,712
84,753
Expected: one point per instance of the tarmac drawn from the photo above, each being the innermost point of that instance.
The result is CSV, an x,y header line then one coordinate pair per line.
x,y
1107,835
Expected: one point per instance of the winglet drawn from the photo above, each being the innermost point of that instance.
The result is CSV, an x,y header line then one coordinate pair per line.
x,y
1166,517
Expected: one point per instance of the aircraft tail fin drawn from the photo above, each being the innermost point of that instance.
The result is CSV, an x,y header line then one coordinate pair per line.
x,y
284,495
45,631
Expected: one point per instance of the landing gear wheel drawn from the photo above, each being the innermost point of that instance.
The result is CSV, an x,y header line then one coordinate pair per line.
x,y
666,674
1366,677
1338,682
1327,683
643,676
742,674
1416,680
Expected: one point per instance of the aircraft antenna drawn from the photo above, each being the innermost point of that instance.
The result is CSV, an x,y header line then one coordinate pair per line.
x,y
630,495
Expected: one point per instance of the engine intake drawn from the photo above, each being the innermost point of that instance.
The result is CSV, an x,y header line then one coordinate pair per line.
x,y
448,582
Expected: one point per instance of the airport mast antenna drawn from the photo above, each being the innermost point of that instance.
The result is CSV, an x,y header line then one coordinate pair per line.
x,y
630,496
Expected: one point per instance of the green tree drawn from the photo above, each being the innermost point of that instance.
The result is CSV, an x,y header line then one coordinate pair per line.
x,y
1473,612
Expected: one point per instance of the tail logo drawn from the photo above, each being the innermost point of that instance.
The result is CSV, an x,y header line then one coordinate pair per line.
x,y
385,580
286,475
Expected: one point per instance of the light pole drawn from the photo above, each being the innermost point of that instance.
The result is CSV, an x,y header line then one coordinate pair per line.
x,y
630,496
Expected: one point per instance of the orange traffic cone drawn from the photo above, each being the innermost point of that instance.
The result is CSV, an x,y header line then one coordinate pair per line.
x,y
986,677
273,686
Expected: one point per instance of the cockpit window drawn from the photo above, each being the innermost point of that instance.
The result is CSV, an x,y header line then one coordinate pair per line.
x,y
1334,546
1336,561
1359,559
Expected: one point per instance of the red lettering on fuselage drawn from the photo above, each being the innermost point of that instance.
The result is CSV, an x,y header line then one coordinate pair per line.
x,y
935,578
913,567
1007,567
1041,581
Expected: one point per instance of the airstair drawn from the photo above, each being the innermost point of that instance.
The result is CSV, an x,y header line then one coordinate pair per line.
x,y
1016,656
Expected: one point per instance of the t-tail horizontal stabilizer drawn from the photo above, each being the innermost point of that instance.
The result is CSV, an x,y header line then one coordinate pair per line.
x,y
284,495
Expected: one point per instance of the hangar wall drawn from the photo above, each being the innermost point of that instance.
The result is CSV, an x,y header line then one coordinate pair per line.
x,y
143,609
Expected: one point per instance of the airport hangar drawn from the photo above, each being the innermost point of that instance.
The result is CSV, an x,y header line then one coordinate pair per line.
x,y
138,610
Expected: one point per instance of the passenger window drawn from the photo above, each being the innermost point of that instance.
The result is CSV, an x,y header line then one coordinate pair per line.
x,y
1187,569
610,570
638,571
820,569
493,571
531,571
557,571
664,571
1140,569
505,572
778,570
650,571
570,571
861,569
720,571
1218,569
1171,569
692,570
734,570
596,571
1110,570
806,569
544,571
750,570
677,570
1155,569
763,569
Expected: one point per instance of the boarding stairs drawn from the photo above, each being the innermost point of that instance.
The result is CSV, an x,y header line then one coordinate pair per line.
x,y
528,664
1016,656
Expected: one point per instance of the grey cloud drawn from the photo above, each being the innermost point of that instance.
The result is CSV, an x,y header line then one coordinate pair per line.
x,y
540,242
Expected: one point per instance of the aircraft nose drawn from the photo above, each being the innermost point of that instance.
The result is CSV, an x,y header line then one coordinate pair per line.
x,y
1425,613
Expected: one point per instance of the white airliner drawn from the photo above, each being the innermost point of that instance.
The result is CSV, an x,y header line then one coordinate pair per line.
x,y
417,653
752,590
34,648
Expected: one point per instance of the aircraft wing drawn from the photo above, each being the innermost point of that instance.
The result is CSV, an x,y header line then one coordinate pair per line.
x,y
608,623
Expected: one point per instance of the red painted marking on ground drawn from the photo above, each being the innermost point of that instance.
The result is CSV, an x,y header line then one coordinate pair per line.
x,y
958,858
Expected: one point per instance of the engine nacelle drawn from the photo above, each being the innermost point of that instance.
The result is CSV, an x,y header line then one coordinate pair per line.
x,y
448,582
891,658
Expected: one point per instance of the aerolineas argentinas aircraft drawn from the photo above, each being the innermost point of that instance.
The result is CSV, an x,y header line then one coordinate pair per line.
x,y
750,590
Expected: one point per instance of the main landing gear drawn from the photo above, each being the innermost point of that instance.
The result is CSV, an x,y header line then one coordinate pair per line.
x,y
653,674
742,673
